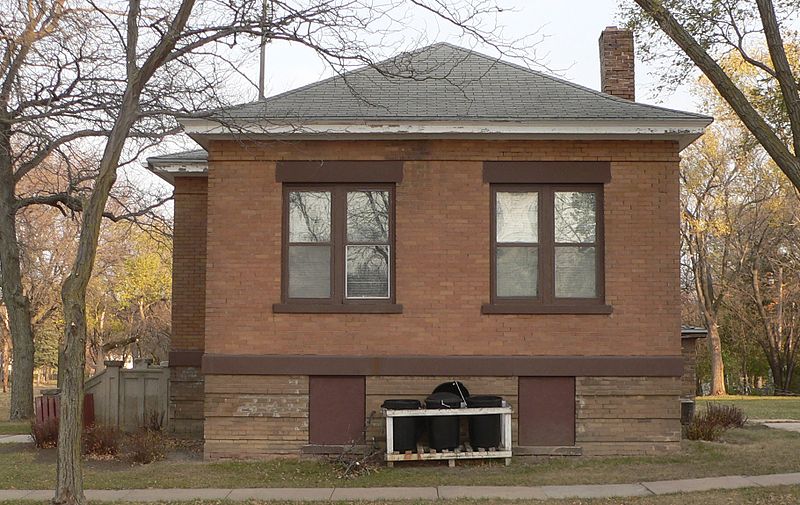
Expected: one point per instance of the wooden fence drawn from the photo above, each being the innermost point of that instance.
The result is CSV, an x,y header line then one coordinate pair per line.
x,y
130,398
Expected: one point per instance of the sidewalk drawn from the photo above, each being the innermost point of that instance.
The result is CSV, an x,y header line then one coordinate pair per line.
x,y
424,493
16,439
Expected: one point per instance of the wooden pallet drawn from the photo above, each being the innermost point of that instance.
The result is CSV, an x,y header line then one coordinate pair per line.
x,y
464,451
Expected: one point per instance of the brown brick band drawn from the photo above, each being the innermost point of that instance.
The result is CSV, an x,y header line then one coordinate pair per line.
x,y
573,366
547,172
339,171
185,358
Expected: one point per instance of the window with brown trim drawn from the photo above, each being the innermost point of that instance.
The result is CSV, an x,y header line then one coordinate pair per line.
x,y
547,249
338,248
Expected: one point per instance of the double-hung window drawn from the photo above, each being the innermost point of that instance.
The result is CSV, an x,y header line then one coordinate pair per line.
x,y
547,251
338,248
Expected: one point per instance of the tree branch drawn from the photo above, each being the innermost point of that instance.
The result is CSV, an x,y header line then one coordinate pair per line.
x,y
75,204
783,71
726,88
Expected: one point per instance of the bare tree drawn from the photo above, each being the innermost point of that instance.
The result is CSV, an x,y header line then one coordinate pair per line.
x,y
707,31
48,99
740,224
164,59
766,293
706,180
65,73
731,203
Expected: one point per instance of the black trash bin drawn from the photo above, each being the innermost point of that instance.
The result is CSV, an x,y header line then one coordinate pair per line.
x,y
443,431
454,387
484,431
407,430
687,411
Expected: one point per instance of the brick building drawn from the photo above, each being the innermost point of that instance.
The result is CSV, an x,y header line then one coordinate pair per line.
x,y
451,216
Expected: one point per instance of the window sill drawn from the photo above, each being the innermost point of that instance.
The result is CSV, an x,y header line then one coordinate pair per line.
x,y
518,308
327,308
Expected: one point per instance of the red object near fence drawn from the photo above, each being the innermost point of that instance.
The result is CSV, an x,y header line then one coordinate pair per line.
x,y
46,408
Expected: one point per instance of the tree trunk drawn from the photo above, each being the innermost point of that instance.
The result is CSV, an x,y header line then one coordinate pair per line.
x,y
709,300
69,471
17,303
717,366
6,356
72,366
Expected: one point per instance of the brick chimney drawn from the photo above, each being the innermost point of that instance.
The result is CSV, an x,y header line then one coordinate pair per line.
x,y
616,63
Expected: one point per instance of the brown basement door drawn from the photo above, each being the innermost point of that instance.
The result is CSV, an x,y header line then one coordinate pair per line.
x,y
336,410
546,411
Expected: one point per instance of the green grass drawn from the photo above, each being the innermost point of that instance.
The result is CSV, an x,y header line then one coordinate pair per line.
x,y
14,427
785,495
752,450
10,427
759,407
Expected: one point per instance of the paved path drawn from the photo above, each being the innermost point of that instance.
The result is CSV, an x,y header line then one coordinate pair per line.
x,y
16,439
424,493
786,426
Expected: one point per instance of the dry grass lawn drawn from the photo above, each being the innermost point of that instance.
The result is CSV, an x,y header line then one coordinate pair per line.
x,y
748,451
759,407
7,427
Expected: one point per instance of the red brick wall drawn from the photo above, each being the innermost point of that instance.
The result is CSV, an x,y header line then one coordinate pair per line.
x,y
189,264
617,63
442,255
188,303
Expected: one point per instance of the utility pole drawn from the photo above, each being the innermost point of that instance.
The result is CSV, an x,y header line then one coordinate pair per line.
x,y
266,14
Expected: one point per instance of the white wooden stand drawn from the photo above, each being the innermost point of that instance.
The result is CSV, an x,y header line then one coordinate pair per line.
x,y
464,451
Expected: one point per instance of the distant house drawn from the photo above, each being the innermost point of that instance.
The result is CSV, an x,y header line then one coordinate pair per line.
x,y
370,236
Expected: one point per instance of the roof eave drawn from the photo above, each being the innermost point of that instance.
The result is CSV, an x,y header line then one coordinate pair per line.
x,y
168,170
682,131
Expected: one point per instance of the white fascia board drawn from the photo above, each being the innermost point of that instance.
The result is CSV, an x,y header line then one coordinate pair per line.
x,y
168,170
684,131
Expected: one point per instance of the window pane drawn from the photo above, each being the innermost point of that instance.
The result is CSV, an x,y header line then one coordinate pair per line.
x,y
368,216
309,216
517,271
575,216
517,217
576,276
368,271
309,271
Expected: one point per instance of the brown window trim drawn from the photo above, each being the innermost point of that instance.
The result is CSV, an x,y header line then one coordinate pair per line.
x,y
523,308
546,172
546,302
339,171
338,302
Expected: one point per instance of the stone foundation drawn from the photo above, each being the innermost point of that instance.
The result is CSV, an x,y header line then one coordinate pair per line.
x,y
186,401
257,417
627,415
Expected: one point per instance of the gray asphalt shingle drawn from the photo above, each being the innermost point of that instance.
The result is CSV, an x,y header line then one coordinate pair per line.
x,y
194,155
447,83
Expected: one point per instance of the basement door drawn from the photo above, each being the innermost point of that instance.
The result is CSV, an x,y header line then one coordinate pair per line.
x,y
336,409
546,411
